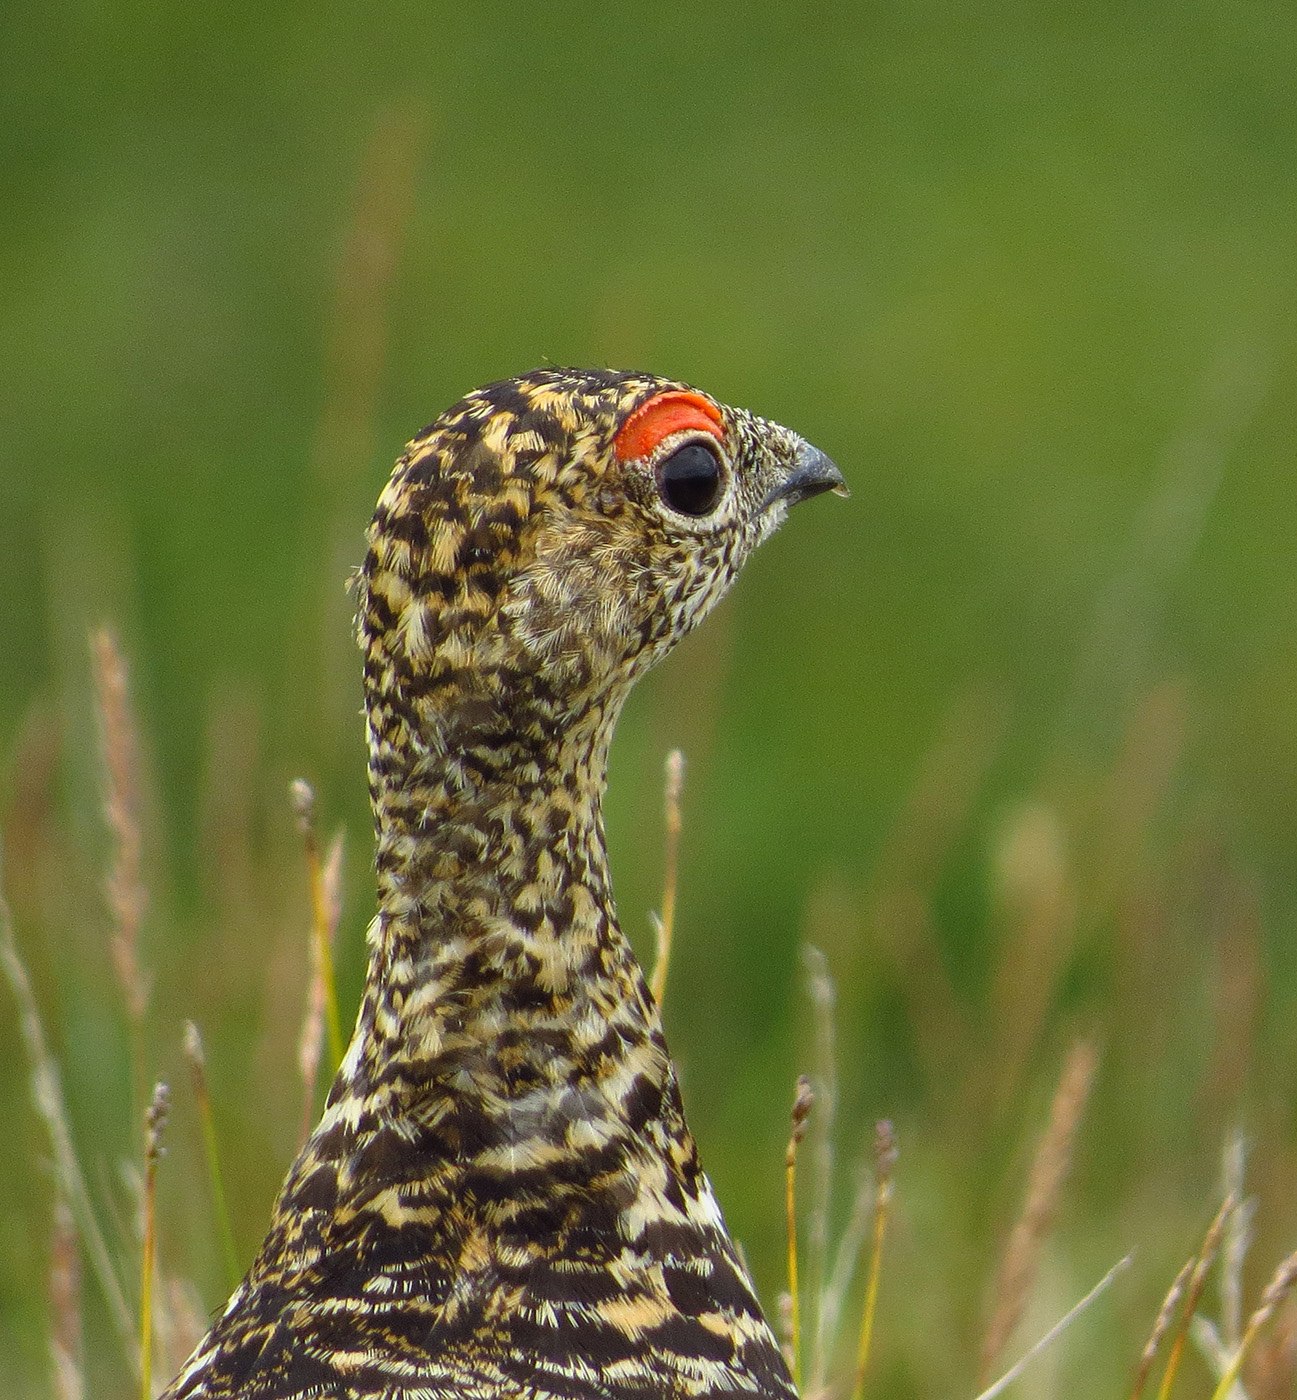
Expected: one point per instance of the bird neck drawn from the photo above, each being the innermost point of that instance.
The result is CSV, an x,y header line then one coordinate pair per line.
x,y
512,823
497,970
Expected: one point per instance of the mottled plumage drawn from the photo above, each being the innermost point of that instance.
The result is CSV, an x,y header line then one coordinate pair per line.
x,y
502,1197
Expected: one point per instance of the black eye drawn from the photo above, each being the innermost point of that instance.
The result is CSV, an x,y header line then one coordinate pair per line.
x,y
689,480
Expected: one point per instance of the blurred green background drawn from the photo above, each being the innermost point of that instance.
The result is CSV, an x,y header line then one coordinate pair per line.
x,y
1011,735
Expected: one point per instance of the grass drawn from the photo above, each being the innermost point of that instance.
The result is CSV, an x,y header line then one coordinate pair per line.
x,y
815,1309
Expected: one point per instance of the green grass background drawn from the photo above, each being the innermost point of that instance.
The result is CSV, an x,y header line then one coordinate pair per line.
x,y
1028,273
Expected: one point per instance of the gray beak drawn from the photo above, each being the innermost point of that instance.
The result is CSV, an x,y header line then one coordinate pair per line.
x,y
812,474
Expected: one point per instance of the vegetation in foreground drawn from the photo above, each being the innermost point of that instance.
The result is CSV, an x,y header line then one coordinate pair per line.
x,y
131,1262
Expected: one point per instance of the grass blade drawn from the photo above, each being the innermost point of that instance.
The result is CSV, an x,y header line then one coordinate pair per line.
x,y
664,924
323,922
1197,1282
1276,1291
51,1108
155,1122
198,1071
1055,1331
884,1173
803,1098
1049,1169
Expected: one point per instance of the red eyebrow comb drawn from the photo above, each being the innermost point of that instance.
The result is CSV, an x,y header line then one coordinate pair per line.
x,y
670,412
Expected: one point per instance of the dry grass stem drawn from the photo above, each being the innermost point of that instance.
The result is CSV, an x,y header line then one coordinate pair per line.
x,y
51,1109
823,997
197,1060
1212,1346
664,923
310,1043
1055,1331
1276,1291
847,1257
1238,1238
1018,1264
1197,1283
155,1121
803,1098
1160,1325
1279,1287
1272,1374
324,920
884,1174
65,1306
124,886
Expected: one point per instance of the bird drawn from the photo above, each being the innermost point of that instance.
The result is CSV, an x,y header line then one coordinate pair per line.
x,y
502,1196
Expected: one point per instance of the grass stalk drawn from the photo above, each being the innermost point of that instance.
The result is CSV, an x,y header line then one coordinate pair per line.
x,y
1161,1324
1055,1331
1019,1263
1238,1238
850,1250
154,1123
51,1109
803,1098
822,994
884,1175
124,886
322,920
310,1043
197,1059
65,1306
1276,1291
664,924
1197,1283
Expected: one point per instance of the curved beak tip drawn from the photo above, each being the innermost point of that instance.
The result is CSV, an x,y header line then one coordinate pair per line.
x,y
813,473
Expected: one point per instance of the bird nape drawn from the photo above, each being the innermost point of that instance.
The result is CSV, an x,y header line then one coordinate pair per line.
x,y
502,1197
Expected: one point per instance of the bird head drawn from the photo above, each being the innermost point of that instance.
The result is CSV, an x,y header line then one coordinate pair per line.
x,y
551,536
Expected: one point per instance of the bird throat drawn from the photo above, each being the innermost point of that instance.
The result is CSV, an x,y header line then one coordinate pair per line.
x,y
501,993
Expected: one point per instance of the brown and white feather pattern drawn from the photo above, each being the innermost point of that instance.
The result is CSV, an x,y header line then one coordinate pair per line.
x,y
502,1197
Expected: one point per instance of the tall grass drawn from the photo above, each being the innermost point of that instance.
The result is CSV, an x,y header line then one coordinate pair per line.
x,y
1082,850
832,1339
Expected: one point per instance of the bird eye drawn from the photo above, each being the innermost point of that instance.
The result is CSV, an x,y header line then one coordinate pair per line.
x,y
690,479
